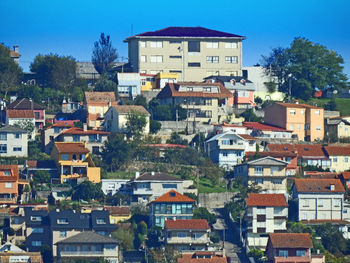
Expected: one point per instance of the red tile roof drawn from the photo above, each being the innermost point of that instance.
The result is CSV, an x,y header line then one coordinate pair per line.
x,y
345,175
99,97
14,173
173,197
71,147
247,137
263,127
80,131
60,125
266,200
172,90
126,109
187,224
293,105
118,210
290,240
318,185
335,150
272,154
20,114
198,257
303,150
321,175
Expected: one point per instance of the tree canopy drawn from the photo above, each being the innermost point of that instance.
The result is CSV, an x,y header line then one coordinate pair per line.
x,y
10,72
103,54
308,66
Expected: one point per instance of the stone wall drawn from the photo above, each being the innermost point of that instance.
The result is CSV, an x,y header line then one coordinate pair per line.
x,y
214,200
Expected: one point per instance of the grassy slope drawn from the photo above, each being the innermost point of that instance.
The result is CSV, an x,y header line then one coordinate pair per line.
x,y
343,105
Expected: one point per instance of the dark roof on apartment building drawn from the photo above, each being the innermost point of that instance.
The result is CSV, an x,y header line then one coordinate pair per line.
x,y
186,32
88,237
290,240
24,104
74,220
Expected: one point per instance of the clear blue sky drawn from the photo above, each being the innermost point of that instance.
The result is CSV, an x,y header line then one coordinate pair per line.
x,y
70,27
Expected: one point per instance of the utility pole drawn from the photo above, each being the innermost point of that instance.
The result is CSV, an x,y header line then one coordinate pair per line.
x,y
177,120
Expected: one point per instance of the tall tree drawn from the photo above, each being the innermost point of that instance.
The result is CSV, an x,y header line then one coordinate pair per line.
x,y
54,71
308,66
135,124
103,54
10,72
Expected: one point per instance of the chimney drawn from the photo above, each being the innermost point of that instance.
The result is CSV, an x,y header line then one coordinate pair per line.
x,y
15,48
31,104
85,127
332,187
137,174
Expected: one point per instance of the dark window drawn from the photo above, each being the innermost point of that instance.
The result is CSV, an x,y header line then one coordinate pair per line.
x,y
175,41
175,56
194,46
194,64
175,71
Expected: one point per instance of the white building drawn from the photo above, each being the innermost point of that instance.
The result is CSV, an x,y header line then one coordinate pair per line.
x,y
265,213
13,142
22,118
112,186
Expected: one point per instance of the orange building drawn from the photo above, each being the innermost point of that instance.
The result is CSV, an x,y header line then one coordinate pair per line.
x,y
304,120
10,183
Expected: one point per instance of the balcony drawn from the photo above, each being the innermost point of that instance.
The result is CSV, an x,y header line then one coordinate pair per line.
x,y
81,253
143,191
292,259
187,240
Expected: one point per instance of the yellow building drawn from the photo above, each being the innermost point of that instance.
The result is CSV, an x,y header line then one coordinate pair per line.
x,y
74,162
304,120
340,157
118,213
148,82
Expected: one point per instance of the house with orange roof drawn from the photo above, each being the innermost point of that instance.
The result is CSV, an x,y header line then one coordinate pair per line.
x,y
49,134
74,162
345,178
204,102
202,257
22,118
318,199
267,131
291,247
171,205
94,139
116,117
187,234
227,149
308,154
96,105
339,156
304,120
265,213
11,186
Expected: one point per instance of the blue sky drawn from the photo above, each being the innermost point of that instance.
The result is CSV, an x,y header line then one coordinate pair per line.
x,y
70,27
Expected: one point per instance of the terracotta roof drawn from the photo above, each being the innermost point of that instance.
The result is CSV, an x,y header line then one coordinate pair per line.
x,y
126,109
318,185
71,147
266,200
293,105
173,197
99,97
263,127
166,146
187,224
290,240
14,54
80,131
272,154
321,175
60,125
247,137
335,150
157,177
198,257
24,104
20,114
186,32
14,172
172,90
345,175
303,150
118,210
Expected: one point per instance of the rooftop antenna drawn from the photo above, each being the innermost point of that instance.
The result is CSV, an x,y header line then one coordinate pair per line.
x,y
132,29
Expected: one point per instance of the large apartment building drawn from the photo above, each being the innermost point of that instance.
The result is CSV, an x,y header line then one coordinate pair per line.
x,y
192,52
304,120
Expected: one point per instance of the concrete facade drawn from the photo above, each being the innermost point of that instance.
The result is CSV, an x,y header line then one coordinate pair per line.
x,y
13,142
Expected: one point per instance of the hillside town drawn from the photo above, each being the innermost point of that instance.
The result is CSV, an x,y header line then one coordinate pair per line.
x,y
181,154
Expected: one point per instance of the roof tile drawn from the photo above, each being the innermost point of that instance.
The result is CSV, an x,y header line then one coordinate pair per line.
x,y
71,147
187,224
290,240
268,200
318,185
173,197
20,114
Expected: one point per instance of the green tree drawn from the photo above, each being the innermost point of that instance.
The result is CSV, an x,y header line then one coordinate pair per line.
x,y
54,71
331,105
46,253
10,72
257,254
154,126
141,100
103,54
249,115
271,86
175,138
105,84
125,237
135,124
42,177
203,213
26,125
87,191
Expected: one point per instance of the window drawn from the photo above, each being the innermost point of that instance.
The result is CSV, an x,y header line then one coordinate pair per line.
x,y
18,135
259,170
277,181
92,109
283,253
36,243
156,59
304,217
76,138
64,157
56,130
231,59
261,210
212,59
3,136
143,58
63,233
175,56
8,185
38,230
36,218
318,128
142,43
100,221
306,203
336,202
317,112
182,234
291,127
62,221
17,149
224,154
175,71
302,112
320,203
110,247
3,148
173,186
156,44
301,253
82,157
346,159
335,159
194,64
231,45
292,112
259,180
212,44
277,210
194,46
175,42
7,173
